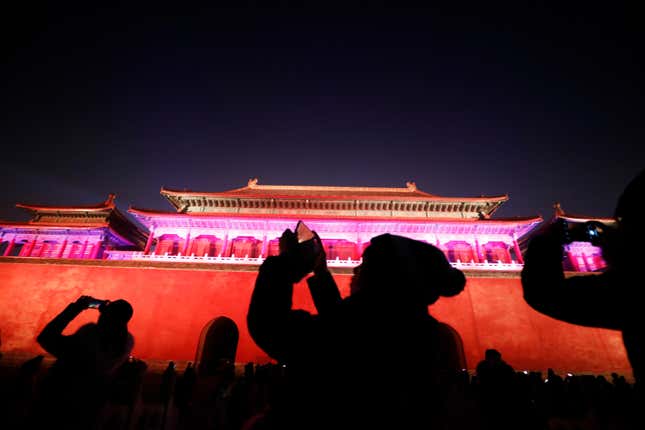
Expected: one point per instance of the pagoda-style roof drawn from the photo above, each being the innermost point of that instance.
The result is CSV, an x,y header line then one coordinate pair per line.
x,y
333,201
571,218
152,219
91,214
63,229
578,218
102,215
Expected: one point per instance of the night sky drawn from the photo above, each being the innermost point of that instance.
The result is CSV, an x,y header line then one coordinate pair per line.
x,y
542,103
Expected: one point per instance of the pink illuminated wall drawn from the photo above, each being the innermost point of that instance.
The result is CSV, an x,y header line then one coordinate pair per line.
x,y
172,306
256,235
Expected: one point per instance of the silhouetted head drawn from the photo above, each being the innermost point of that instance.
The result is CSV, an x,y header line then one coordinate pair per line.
x,y
404,269
630,206
493,354
116,313
622,249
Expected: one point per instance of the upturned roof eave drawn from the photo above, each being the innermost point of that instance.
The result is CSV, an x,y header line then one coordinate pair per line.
x,y
140,212
585,218
75,226
63,209
345,193
107,206
574,217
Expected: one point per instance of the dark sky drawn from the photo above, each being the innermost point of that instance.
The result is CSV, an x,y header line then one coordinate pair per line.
x,y
542,103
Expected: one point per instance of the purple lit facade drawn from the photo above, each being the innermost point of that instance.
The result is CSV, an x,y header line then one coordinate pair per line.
x,y
243,226
82,232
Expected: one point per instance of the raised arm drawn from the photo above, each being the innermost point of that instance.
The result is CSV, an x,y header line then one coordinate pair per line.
x,y
51,338
273,325
322,285
324,292
589,300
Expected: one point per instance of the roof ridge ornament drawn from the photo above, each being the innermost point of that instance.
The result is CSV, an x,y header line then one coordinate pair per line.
x,y
110,200
411,185
559,212
252,182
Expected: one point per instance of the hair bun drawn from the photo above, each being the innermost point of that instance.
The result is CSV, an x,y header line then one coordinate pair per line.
x,y
453,283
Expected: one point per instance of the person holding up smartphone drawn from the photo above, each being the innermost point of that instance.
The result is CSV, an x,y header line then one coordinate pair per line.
x,y
609,300
322,286
372,359
77,385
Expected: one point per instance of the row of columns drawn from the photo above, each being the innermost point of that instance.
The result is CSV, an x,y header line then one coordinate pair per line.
x,y
29,246
475,246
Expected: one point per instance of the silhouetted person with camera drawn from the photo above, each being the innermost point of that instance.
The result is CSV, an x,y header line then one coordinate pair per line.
x,y
375,359
609,300
77,385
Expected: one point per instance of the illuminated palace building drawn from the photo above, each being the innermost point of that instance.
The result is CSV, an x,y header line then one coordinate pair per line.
x,y
183,268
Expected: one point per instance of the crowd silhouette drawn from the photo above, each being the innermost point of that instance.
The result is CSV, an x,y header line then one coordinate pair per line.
x,y
141,398
374,359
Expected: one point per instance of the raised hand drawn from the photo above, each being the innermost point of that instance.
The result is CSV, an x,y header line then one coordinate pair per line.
x,y
320,261
288,242
84,301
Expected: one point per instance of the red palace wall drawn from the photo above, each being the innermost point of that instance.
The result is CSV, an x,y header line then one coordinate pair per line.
x,y
172,305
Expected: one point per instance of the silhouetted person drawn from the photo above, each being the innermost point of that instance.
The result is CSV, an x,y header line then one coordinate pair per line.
x,y
609,300
493,370
184,388
126,390
78,383
25,388
498,398
166,390
374,359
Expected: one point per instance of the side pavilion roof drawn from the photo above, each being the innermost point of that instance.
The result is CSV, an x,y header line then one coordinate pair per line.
x,y
102,215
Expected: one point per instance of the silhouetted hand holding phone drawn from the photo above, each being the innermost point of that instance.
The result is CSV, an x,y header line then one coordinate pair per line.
x,y
320,262
330,354
87,362
303,248
609,300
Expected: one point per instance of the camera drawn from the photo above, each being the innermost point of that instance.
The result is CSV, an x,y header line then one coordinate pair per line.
x,y
590,231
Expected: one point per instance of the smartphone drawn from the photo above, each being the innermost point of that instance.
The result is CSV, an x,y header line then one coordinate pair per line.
x,y
590,231
303,233
309,246
96,303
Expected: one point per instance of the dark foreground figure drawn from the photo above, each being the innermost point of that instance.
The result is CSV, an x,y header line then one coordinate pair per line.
x,y
79,382
375,359
611,300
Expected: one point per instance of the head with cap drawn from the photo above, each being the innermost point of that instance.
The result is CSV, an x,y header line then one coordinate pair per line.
x,y
116,313
402,269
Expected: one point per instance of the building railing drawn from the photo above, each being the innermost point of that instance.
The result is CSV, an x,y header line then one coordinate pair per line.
x,y
486,265
337,262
